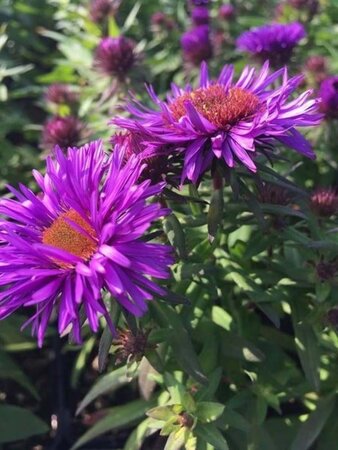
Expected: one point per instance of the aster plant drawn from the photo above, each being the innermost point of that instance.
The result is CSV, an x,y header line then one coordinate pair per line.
x,y
60,249
227,121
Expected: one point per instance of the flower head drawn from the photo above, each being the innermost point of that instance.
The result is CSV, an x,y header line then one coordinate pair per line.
x,y
99,10
274,42
227,120
226,11
274,194
196,44
200,15
157,159
115,56
80,236
60,94
328,93
62,131
324,202
161,21
316,64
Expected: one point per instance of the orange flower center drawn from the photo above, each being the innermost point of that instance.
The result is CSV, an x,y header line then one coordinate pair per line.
x,y
63,234
222,108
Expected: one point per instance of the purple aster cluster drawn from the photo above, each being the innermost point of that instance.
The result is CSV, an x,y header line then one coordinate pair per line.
x,y
274,42
226,120
81,236
115,56
328,93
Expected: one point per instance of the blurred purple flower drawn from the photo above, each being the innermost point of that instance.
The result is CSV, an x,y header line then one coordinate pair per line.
x,y
328,93
60,94
115,56
199,2
316,64
61,248
226,11
324,202
99,10
274,42
62,131
200,15
196,44
161,21
226,120
311,5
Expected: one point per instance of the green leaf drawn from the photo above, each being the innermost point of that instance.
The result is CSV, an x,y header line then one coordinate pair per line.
x,y
177,439
221,317
310,430
116,418
19,423
180,341
10,370
163,413
108,383
215,213
209,433
137,437
175,233
209,411
307,346
237,347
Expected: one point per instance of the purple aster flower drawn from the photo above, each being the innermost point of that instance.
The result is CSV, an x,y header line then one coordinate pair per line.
x,y
99,10
227,11
200,15
81,236
227,120
115,56
62,131
196,44
60,94
328,92
274,42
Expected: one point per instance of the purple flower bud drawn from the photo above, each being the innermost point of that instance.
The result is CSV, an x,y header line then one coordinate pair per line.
x,y
200,15
60,94
324,202
316,63
227,11
157,161
326,270
328,92
273,195
115,56
196,45
162,21
99,10
63,131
